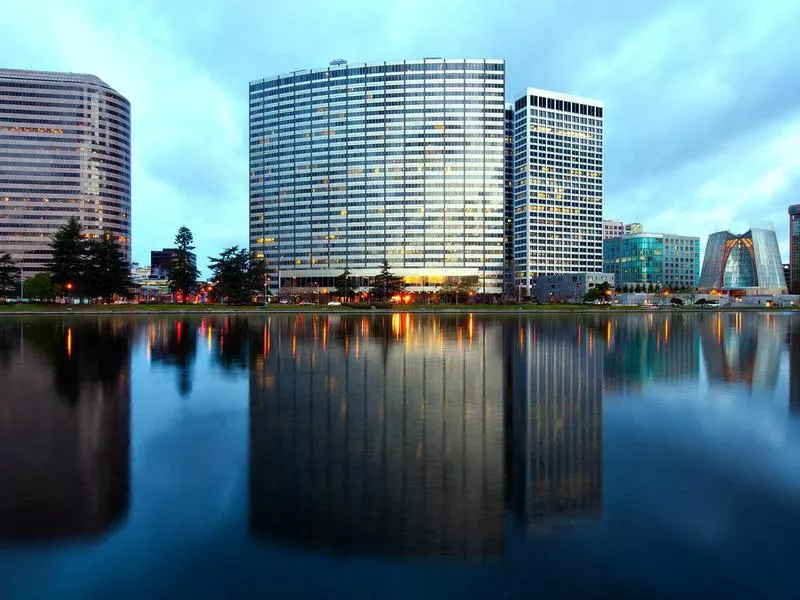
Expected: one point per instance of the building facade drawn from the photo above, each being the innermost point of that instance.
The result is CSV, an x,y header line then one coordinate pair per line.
x,y
681,261
746,264
794,249
636,259
568,286
402,161
65,152
615,228
612,228
509,286
661,259
558,185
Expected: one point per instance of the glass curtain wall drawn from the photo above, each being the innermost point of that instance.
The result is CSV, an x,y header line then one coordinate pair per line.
x,y
402,161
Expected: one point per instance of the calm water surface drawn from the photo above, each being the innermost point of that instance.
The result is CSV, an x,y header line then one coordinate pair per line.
x,y
400,456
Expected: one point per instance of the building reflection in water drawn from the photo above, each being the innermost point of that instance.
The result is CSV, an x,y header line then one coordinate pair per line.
x,y
413,435
650,347
64,427
380,434
743,348
556,420
173,344
793,340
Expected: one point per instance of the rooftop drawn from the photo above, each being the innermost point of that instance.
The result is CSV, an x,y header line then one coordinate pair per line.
x,y
51,76
339,65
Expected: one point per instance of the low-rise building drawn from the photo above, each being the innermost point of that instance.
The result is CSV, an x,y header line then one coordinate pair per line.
x,y
567,286
160,261
615,228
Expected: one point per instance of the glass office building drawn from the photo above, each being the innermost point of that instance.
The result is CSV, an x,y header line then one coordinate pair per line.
x,y
558,185
403,161
636,259
662,259
65,150
747,264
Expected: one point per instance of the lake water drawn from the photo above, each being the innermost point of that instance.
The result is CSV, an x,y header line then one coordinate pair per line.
x,y
400,456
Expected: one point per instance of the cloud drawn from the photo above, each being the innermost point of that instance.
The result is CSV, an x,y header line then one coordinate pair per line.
x,y
700,97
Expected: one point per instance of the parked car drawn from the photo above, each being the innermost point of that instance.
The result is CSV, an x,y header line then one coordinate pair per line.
x,y
284,301
334,303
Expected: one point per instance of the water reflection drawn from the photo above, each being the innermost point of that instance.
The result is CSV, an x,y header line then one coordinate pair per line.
x,y
64,427
401,435
379,435
556,420
793,342
173,344
651,347
743,350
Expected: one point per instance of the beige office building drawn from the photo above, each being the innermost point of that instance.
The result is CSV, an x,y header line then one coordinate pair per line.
x,y
65,152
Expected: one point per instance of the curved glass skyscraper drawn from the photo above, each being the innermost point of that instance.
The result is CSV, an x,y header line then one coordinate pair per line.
x,y
65,150
403,161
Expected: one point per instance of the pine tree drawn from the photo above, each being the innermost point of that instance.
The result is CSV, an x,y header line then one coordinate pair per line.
x,y
386,284
69,260
106,272
9,274
237,275
182,273
344,287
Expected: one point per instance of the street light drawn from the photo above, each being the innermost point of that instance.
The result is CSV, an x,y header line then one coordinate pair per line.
x,y
69,286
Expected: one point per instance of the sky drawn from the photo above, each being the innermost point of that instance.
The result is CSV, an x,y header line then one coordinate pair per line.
x,y
702,99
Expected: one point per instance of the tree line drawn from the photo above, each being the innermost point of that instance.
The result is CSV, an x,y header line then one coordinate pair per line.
x,y
95,267
81,266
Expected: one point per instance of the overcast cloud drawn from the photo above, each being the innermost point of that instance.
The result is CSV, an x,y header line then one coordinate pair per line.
x,y
702,97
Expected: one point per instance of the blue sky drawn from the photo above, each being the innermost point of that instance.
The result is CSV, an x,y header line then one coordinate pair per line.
x,y
702,98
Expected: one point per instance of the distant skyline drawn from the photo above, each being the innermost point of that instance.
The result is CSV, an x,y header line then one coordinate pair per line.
x,y
702,121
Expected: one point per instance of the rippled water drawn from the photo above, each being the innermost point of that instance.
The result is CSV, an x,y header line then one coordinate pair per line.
x,y
400,456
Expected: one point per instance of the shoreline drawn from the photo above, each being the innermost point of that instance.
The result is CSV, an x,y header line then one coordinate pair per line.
x,y
482,309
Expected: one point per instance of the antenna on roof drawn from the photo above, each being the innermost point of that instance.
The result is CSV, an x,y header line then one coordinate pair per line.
x,y
338,61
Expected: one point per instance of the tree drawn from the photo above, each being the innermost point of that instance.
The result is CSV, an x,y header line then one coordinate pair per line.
x,y
183,274
676,301
237,275
637,288
461,288
69,260
650,288
344,287
386,284
9,274
40,287
106,272
598,292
